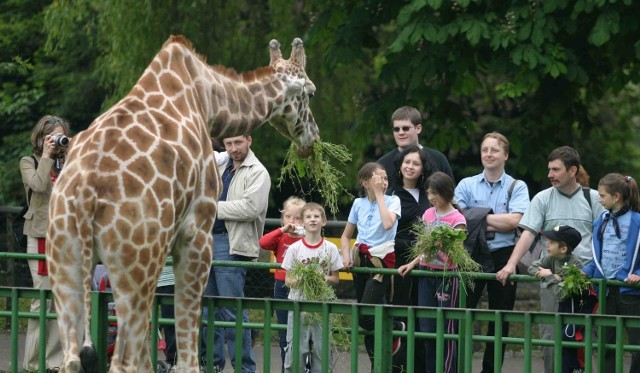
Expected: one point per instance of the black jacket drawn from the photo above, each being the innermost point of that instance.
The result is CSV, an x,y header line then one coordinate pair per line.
x,y
476,242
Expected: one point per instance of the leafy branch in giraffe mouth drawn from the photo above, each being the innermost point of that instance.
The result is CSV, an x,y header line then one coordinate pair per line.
x,y
317,168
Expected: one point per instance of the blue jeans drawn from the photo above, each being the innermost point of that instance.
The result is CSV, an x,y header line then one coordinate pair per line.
x,y
280,291
227,282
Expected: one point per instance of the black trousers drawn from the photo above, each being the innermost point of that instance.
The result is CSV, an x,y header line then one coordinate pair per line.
x,y
500,298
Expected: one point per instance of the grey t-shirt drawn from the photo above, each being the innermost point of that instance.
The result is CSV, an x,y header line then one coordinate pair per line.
x,y
551,208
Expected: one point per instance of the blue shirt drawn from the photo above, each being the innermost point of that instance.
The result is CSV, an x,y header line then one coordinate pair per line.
x,y
476,191
227,176
365,215
614,249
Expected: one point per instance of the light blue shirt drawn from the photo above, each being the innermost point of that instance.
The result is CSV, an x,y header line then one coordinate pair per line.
x,y
614,249
476,191
365,215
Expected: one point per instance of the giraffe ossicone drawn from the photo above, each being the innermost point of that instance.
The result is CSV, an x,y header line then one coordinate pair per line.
x,y
140,184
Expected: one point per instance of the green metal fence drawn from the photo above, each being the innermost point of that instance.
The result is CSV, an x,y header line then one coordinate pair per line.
x,y
263,308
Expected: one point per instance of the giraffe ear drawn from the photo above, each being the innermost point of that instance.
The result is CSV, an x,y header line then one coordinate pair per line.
x,y
295,87
274,52
297,53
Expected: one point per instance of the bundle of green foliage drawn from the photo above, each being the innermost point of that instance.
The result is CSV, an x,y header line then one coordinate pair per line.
x,y
309,278
574,282
430,239
317,167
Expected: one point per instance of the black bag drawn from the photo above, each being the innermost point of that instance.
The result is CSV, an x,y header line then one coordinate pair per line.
x,y
17,224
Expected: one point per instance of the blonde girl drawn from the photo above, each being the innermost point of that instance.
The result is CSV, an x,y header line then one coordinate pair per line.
x,y
278,241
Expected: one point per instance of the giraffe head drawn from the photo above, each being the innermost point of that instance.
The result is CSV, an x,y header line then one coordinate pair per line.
x,y
291,115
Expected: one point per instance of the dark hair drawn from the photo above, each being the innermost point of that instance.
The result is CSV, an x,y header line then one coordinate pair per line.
x,y
568,155
426,165
625,185
44,127
407,113
313,206
365,173
442,185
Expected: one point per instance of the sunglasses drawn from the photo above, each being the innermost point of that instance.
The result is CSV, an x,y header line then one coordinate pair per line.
x,y
403,128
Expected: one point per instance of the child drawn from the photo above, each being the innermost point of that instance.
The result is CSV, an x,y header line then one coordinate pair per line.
x,y
438,291
551,271
376,217
615,256
279,241
311,246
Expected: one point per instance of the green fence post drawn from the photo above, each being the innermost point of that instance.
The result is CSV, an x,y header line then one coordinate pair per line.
x,y
154,334
411,341
14,330
588,343
239,331
211,318
439,339
268,311
602,309
99,327
528,345
557,344
468,341
497,339
355,317
326,340
619,344
295,353
42,331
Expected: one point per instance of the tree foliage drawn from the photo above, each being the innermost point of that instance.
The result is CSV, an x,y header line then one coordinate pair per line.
x,y
545,73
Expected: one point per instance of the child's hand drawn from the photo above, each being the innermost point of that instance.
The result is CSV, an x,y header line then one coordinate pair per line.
x,y
288,228
377,184
632,279
291,281
347,262
543,272
405,269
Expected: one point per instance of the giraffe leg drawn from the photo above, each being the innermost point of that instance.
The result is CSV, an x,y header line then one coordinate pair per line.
x,y
67,286
133,308
191,274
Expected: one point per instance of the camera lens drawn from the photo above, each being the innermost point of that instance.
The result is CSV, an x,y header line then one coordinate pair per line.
x,y
61,140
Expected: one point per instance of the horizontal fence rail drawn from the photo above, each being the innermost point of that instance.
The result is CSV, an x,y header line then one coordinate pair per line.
x,y
349,312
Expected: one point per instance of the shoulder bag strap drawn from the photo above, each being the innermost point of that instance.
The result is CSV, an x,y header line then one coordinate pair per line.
x,y
30,192
510,192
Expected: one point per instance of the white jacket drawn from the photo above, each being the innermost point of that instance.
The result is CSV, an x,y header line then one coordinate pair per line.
x,y
245,209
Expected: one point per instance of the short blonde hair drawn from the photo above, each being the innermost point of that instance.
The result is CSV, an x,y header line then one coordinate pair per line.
x,y
502,140
291,201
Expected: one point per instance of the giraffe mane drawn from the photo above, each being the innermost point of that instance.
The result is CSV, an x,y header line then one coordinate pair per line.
x,y
181,39
247,77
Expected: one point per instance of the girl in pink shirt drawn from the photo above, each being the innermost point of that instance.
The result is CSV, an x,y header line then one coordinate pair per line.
x,y
439,291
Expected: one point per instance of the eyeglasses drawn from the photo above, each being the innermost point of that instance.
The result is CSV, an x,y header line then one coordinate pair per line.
x,y
403,128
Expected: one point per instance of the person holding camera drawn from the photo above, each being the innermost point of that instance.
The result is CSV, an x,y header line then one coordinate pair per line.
x,y
49,141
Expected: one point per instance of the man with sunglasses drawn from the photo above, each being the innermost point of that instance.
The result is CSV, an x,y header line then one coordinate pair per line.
x,y
407,125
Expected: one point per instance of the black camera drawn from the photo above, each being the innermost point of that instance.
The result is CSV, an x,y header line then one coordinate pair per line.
x,y
61,140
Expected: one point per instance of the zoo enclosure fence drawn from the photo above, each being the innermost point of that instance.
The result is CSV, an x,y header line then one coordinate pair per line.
x,y
383,315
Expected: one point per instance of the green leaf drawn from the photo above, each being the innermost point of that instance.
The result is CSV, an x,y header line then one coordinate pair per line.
x,y
435,4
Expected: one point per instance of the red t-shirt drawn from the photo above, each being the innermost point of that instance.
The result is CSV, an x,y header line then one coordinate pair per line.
x,y
278,242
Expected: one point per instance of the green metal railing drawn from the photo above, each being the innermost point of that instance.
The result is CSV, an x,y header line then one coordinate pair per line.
x,y
383,316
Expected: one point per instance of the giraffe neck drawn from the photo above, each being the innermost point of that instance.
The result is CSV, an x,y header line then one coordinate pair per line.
x,y
240,103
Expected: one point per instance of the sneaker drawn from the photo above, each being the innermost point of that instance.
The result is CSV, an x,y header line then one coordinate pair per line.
x,y
397,341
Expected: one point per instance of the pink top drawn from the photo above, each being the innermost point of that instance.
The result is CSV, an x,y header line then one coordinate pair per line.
x,y
452,219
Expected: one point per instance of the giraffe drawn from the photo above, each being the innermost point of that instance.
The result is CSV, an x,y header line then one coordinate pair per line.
x,y
140,184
